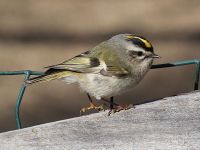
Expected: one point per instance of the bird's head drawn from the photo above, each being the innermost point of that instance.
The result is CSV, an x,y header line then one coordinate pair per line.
x,y
136,49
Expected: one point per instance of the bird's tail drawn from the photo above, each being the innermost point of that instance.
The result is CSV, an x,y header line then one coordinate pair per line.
x,y
48,77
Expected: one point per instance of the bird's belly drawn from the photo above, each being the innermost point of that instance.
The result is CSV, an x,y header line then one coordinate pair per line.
x,y
102,86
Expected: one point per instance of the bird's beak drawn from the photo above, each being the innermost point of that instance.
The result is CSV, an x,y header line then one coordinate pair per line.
x,y
155,56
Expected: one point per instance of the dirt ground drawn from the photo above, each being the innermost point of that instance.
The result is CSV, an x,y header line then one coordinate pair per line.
x,y
38,34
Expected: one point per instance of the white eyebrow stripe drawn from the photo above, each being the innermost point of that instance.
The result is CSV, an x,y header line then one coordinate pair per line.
x,y
135,48
138,50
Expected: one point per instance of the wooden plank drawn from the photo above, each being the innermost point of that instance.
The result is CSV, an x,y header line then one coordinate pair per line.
x,y
169,123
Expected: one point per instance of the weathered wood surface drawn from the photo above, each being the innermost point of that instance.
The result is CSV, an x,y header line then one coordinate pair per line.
x,y
170,123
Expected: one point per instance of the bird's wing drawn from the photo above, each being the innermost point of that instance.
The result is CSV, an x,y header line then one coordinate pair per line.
x,y
112,62
102,61
114,71
80,63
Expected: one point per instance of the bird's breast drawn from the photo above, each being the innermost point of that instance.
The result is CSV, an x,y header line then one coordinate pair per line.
x,y
104,86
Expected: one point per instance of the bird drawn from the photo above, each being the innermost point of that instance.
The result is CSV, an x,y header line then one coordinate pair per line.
x,y
111,68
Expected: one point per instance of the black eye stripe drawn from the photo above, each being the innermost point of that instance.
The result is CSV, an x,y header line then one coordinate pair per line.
x,y
136,53
132,53
140,53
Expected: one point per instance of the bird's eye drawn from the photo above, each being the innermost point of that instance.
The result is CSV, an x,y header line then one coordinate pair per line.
x,y
140,53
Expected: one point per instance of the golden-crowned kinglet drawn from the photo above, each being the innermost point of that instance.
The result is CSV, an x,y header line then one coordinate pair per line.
x,y
108,69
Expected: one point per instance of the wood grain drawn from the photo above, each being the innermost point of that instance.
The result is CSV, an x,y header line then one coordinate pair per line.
x,y
169,123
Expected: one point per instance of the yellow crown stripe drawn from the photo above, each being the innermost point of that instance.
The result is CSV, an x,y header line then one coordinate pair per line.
x,y
129,36
147,43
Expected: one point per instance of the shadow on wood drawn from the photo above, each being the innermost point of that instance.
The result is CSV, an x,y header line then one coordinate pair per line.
x,y
169,123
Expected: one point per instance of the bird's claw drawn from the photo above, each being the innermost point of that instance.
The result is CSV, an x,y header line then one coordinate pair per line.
x,y
119,108
92,106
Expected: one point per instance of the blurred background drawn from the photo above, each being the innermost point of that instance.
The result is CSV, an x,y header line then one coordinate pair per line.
x,y
35,34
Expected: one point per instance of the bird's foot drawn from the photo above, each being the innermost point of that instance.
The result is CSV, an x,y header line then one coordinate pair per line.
x,y
92,106
119,108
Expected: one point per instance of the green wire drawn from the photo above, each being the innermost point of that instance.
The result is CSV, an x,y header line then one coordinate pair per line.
x,y
28,73
183,63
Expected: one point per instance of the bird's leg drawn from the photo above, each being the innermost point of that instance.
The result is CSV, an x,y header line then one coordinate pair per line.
x,y
111,103
108,101
92,106
116,108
